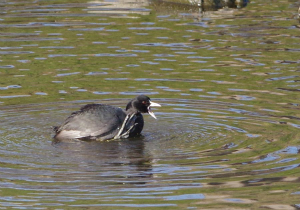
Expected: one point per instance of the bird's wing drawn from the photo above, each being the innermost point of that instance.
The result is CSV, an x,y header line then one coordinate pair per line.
x,y
92,120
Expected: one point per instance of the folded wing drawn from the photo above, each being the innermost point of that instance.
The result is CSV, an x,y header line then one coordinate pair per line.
x,y
93,121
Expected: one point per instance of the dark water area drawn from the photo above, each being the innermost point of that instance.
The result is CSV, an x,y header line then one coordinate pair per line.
x,y
227,134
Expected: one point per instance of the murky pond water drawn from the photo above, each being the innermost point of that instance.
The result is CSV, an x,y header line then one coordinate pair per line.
x,y
227,134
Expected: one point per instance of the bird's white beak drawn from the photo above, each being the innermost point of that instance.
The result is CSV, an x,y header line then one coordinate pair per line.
x,y
149,108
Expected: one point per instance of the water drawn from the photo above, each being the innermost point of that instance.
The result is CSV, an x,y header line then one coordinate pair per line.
x,y
227,134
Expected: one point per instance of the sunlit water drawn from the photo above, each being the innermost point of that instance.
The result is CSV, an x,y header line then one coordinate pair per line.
x,y
226,136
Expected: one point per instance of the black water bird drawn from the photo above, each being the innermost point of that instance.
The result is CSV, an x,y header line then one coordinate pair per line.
x,y
103,122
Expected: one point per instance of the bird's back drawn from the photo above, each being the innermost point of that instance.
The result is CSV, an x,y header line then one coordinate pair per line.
x,y
93,121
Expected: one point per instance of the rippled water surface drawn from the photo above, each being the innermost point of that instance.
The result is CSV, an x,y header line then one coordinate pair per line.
x,y
227,134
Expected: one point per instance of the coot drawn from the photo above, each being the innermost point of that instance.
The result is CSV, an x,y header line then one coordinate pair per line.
x,y
102,122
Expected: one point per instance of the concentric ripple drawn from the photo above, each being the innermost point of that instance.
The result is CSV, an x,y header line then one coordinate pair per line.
x,y
183,149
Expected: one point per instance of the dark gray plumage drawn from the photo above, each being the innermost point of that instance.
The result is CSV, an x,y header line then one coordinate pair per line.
x,y
102,122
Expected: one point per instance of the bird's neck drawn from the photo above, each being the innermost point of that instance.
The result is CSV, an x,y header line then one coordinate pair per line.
x,y
131,111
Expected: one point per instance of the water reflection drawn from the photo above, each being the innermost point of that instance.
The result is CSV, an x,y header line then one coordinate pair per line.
x,y
164,161
119,7
126,159
227,80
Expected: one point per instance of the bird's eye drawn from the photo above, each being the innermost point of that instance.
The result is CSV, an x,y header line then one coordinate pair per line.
x,y
144,102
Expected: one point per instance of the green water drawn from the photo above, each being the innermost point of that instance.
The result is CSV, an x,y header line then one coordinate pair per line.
x,y
227,134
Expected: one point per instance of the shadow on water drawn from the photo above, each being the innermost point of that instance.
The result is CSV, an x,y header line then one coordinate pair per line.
x,y
201,150
227,134
198,8
203,5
